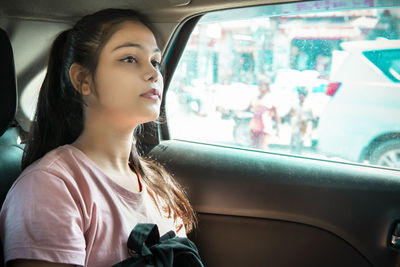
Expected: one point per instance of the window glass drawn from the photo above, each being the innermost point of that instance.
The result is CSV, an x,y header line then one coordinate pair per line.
x,y
294,78
388,61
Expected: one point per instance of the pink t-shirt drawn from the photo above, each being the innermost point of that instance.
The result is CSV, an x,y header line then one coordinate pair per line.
x,y
65,209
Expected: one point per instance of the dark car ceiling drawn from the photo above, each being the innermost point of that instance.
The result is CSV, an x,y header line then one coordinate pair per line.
x,y
157,10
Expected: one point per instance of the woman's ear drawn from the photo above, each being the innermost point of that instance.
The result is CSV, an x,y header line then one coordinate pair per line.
x,y
80,79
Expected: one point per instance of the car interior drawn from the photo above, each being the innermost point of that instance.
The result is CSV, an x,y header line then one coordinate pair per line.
x,y
254,208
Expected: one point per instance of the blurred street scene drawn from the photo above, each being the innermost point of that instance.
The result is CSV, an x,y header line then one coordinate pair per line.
x,y
264,82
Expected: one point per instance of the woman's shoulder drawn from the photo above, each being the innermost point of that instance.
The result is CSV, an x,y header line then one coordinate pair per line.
x,y
61,161
50,174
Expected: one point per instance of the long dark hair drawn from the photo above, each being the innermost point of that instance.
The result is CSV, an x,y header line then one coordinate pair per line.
x,y
59,115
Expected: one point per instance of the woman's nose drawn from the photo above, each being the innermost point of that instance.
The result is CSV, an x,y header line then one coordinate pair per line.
x,y
152,73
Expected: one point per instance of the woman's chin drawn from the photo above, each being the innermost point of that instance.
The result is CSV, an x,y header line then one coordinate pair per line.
x,y
150,117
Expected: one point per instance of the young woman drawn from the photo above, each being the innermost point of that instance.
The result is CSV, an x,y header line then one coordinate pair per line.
x,y
84,185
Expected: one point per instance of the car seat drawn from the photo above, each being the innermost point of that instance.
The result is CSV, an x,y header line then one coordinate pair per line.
x,y
10,151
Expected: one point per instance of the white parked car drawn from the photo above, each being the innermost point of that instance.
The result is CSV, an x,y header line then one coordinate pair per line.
x,y
361,122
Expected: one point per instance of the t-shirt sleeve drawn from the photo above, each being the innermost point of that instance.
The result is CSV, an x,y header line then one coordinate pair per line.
x,y
41,219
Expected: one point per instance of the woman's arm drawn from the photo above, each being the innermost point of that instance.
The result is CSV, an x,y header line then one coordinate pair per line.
x,y
54,227
35,263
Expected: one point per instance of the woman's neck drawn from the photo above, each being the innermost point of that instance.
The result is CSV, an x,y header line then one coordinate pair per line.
x,y
106,146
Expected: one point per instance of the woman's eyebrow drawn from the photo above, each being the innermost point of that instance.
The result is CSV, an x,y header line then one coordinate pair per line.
x,y
156,50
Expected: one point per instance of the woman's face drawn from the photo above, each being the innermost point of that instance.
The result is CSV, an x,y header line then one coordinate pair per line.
x,y
128,82
263,87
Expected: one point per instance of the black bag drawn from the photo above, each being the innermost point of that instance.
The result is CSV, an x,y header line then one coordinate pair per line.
x,y
155,251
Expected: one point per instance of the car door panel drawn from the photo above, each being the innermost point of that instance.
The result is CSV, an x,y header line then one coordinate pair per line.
x,y
245,241
255,205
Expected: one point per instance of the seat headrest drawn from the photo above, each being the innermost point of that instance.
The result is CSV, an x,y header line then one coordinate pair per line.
x,y
8,86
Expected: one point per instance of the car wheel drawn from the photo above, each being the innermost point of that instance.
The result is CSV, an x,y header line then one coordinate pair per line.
x,y
387,154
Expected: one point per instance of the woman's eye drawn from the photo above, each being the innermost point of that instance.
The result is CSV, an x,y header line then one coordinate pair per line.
x,y
129,59
156,64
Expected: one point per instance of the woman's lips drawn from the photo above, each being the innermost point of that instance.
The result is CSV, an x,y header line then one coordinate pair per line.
x,y
152,94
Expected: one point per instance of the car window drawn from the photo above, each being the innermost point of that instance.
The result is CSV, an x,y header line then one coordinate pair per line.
x,y
294,78
387,61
